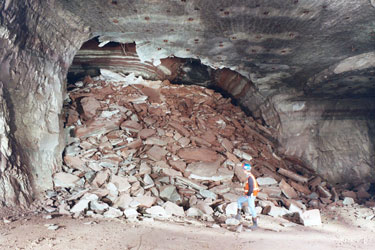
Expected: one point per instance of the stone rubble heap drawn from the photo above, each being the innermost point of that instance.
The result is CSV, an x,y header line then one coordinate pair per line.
x,y
141,149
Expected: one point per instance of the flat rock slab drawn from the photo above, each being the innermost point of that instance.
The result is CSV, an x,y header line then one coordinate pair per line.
x,y
265,181
65,180
198,154
210,171
98,126
156,153
287,190
173,209
89,106
311,218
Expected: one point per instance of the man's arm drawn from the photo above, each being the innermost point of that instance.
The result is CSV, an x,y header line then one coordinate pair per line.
x,y
251,186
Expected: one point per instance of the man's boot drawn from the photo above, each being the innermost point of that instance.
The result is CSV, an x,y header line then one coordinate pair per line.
x,y
238,215
255,223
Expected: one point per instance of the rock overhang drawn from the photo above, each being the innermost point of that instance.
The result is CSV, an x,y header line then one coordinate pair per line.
x,y
277,45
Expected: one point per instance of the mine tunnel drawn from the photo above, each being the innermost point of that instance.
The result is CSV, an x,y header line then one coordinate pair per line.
x,y
121,109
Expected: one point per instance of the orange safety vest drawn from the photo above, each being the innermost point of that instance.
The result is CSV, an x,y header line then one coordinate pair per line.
x,y
256,187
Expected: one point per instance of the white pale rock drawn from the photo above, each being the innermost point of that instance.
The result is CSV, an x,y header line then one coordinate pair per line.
x,y
264,181
173,209
242,155
112,76
65,180
145,201
148,180
294,209
113,213
98,206
194,212
80,206
121,183
130,213
204,207
232,222
222,189
113,192
208,194
311,218
144,169
156,211
265,203
169,193
123,201
277,211
90,197
231,209
348,201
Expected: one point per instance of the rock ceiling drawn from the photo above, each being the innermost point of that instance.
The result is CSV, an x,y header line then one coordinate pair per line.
x,y
323,48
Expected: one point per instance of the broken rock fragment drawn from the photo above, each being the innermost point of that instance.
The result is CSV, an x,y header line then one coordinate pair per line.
x,y
65,180
311,218
287,190
173,209
156,153
211,171
198,154
89,106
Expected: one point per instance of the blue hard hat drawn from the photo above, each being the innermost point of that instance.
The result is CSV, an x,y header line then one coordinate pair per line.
x,y
246,166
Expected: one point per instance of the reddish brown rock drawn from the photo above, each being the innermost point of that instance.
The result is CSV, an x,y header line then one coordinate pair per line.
x,y
72,118
156,153
101,178
362,194
300,188
210,137
98,126
227,145
323,191
178,165
200,142
89,106
232,157
350,194
146,133
75,162
180,128
198,154
315,182
287,190
131,125
135,144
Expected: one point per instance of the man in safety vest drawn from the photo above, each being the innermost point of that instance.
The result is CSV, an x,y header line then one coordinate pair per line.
x,y
251,189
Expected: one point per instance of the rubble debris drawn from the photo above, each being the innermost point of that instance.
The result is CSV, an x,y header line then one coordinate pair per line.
x,y
142,150
311,218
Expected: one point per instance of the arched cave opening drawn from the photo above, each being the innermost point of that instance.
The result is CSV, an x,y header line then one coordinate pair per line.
x,y
139,146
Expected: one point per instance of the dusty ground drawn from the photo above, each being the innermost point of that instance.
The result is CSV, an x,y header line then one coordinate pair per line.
x,y
345,228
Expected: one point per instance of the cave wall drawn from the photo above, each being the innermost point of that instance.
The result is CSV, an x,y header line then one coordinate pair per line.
x,y
332,136
307,71
36,50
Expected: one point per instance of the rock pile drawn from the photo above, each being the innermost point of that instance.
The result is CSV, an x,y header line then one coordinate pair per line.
x,y
148,149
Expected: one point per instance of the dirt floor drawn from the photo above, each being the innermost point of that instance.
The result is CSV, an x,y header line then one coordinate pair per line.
x,y
343,228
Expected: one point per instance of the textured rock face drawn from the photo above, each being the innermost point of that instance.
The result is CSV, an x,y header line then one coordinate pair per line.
x,y
334,136
34,58
306,68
